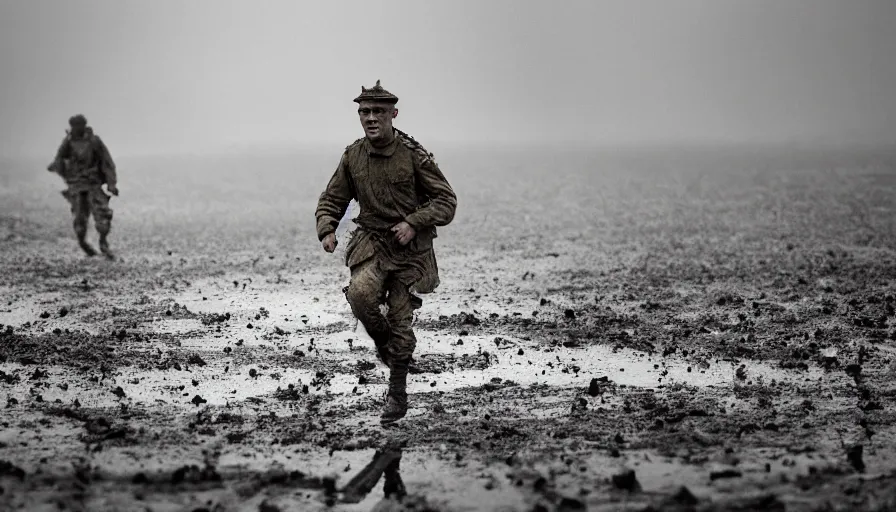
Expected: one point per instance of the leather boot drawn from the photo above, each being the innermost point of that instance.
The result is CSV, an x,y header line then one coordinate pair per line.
x,y
86,247
397,398
104,246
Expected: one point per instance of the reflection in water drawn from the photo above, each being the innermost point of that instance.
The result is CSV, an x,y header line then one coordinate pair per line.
x,y
386,461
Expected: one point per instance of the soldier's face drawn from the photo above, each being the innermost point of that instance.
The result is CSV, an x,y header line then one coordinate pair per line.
x,y
376,119
78,129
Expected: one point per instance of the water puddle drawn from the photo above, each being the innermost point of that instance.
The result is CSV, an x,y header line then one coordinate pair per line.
x,y
301,308
362,475
220,382
365,478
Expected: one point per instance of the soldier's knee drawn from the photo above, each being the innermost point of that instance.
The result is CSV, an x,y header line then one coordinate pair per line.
x,y
403,343
361,296
400,315
102,218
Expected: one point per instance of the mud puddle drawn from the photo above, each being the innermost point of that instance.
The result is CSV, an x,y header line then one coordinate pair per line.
x,y
221,381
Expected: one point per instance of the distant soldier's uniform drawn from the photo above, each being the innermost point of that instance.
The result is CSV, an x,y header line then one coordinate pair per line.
x,y
396,183
85,164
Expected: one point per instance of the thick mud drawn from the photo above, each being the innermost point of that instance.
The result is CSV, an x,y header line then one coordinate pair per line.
x,y
694,340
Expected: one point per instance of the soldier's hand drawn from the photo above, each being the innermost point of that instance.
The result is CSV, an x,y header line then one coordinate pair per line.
x,y
404,233
112,189
329,242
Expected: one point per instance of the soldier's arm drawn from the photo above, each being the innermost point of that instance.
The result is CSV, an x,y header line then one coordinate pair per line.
x,y
61,154
106,163
439,210
334,200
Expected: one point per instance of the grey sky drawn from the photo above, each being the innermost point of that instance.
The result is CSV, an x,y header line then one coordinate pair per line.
x,y
166,75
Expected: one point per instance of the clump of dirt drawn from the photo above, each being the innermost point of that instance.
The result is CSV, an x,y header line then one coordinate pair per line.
x,y
215,318
76,348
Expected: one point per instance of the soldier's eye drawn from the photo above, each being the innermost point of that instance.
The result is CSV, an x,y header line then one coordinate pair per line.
x,y
377,111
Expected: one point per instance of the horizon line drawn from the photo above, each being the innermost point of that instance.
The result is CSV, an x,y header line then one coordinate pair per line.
x,y
624,146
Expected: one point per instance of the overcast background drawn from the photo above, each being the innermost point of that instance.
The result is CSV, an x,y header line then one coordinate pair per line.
x,y
209,75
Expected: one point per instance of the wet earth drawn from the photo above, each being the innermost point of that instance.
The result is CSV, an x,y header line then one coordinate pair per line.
x,y
726,342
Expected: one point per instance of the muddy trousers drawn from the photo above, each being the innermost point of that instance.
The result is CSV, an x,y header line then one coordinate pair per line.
x,y
85,203
372,284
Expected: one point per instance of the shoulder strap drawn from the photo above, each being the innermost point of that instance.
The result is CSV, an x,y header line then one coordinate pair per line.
x,y
410,143
354,144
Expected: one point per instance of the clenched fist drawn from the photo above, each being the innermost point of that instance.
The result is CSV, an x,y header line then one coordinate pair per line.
x,y
404,233
329,242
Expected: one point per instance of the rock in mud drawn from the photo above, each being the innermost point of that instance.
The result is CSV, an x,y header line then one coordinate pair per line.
x,y
198,400
195,359
9,469
568,504
194,474
118,392
268,507
724,473
627,481
596,386
768,502
97,426
469,319
63,312
854,456
684,496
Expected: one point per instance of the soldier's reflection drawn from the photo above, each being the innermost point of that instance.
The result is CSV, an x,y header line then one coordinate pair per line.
x,y
386,462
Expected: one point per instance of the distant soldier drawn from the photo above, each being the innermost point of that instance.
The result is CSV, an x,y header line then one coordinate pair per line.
x,y
85,164
402,196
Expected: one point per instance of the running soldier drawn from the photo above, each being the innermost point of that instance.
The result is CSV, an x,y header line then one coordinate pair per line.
x,y
403,197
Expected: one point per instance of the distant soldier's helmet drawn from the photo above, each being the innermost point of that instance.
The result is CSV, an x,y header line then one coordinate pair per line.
x,y
376,93
77,120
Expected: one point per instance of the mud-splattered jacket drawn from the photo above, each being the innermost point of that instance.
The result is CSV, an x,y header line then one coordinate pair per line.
x,y
84,162
399,182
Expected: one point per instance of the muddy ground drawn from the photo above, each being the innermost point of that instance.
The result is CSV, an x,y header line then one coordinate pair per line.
x,y
642,331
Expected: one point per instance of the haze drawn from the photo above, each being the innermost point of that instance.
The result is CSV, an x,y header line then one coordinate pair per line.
x,y
210,75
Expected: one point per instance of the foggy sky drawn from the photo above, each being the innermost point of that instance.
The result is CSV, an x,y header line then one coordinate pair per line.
x,y
201,75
